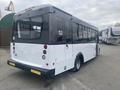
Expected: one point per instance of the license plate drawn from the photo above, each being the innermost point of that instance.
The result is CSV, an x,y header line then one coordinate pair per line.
x,y
36,72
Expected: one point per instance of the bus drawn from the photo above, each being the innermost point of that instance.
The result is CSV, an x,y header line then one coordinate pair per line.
x,y
111,35
48,41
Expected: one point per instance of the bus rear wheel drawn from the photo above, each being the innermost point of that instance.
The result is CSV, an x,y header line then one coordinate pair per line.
x,y
77,65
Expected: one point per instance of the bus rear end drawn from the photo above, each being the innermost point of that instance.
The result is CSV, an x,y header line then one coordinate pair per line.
x,y
115,33
29,44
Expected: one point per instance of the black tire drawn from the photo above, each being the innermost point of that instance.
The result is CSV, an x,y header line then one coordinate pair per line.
x,y
77,64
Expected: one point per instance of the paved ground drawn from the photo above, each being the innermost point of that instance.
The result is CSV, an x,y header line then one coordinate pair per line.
x,y
102,73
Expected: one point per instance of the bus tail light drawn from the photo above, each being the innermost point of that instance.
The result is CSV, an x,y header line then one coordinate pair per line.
x,y
13,49
44,52
43,57
45,46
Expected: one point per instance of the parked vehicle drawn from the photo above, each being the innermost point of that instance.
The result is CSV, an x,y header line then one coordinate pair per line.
x,y
111,35
48,41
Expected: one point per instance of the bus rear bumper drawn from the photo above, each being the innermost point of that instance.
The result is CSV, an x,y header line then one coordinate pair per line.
x,y
44,73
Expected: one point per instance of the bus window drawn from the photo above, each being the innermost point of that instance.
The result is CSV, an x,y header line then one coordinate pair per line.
x,y
89,33
60,31
75,32
80,32
60,35
93,36
28,29
68,32
85,34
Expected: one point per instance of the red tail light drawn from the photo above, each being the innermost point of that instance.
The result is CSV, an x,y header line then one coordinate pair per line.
x,y
45,46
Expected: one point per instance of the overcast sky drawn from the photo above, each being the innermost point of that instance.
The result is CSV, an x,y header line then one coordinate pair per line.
x,y
96,12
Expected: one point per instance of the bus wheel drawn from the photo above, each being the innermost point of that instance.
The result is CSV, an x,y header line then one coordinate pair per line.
x,y
77,65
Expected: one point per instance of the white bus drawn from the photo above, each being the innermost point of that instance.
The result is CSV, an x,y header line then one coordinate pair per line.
x,y
48,41
111,35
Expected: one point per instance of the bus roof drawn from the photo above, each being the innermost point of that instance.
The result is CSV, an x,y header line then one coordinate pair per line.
x,y
33,9
49,8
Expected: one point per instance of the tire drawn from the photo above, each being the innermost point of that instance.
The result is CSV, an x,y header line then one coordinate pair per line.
x,y
77,64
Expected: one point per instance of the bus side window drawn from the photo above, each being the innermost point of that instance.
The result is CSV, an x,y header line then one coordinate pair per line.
x,y
68,32
75,32
60,31
80,32
93,35
89,34
60,35
85,34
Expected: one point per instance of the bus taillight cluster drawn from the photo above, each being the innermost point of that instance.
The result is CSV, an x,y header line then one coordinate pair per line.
x,y
44,52
45,47
13,47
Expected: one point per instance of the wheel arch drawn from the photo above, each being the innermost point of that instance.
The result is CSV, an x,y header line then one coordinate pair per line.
x,y
81,56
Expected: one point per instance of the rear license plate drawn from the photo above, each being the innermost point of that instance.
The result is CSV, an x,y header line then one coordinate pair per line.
x,y
36,72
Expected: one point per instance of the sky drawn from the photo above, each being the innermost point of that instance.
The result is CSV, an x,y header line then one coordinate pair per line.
x,y
100,13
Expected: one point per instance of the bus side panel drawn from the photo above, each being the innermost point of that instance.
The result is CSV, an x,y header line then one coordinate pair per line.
x,y
87,49
58,49
58,58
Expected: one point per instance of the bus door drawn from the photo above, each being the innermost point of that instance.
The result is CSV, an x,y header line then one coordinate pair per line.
x,y
68,46
68,56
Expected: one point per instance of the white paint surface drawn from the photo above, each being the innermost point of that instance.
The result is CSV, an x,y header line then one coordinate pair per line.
x,y
62,55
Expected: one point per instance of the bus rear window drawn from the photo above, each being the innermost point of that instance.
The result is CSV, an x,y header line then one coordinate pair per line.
x,y
29,29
